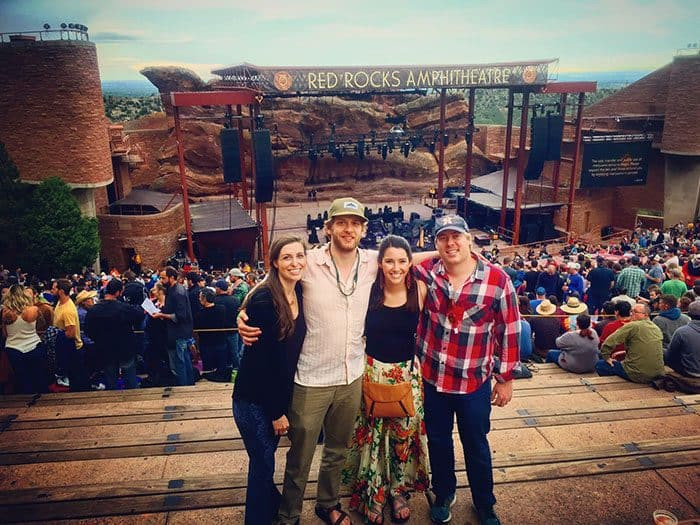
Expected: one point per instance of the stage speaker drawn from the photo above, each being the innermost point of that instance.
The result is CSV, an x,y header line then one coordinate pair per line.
x,y
231,155
264,171
538,148
555,134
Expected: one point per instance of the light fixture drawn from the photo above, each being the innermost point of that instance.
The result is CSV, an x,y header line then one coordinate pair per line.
x,y
71,26
47,26
63,25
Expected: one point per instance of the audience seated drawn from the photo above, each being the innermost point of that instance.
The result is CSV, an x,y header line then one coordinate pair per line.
x,y
683,353
577,350
670,318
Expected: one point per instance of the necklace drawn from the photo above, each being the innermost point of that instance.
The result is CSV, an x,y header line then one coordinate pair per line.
x,y
341,286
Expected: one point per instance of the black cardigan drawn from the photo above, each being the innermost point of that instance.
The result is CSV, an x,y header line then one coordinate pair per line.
x,y
266,374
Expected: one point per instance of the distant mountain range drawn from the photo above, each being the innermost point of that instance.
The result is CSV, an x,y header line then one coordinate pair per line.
x,y
605,79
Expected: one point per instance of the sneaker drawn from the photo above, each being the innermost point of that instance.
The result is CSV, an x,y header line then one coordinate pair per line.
x,y
62,380
440,510
98,386
521,372
487,517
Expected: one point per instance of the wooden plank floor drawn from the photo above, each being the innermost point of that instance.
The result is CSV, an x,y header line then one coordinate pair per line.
x,y
568,449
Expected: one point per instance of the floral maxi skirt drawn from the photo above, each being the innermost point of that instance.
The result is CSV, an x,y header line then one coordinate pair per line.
x,y
388,456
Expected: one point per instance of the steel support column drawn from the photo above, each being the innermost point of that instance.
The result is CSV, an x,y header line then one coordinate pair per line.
x,y
574,163
183,183
441,151
557,165
506,159
470,152
525,112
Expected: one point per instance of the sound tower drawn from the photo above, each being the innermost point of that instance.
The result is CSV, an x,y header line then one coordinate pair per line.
x,y
231,155
555,134
538,148
264,172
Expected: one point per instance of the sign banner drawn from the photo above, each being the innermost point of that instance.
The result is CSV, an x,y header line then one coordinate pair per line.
x,y
615,161
384,78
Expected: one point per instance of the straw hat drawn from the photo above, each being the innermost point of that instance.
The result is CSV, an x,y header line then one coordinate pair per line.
x,y
546,307
574,306
84,295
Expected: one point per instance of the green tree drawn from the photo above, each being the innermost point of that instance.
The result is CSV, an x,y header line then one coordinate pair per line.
x,y
56,238
14,200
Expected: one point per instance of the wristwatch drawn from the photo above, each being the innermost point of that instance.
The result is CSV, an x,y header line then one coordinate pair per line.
x,y
499,378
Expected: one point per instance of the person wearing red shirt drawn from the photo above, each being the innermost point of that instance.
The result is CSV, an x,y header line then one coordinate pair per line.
x,y
623,310
470,316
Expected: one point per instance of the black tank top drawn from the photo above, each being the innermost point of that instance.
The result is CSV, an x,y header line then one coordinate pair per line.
x,y
390,333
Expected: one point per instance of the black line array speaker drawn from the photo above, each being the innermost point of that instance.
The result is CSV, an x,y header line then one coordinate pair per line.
x,y
231,155
538,148
264,170
555,134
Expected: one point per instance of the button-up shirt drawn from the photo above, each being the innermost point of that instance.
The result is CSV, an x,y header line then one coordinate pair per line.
x,y
334,350
461,330
631,279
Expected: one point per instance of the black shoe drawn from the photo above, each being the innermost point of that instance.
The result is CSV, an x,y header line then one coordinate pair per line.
x,y
487,516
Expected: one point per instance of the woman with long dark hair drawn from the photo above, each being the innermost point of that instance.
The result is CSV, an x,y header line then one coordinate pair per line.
x,y
388,457
263,387
23,345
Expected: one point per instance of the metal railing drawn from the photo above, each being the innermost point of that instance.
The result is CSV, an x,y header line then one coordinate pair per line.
x,y
48,34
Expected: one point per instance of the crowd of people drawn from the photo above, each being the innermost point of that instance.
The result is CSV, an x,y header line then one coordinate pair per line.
x,y
377,352
91,331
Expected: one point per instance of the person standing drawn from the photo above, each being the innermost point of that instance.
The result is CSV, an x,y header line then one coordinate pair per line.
x,y
211,319
70,346
470,317
23,345
388,457
602,281
231,305
675,285
111,323
264,383
632,278
178,314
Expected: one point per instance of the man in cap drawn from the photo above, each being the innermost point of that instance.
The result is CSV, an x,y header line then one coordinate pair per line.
x,y
231,304
470,317
540,295
239,288
328,380
84,301
210,319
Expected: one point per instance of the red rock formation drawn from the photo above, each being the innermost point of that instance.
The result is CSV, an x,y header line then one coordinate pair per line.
x,y
297,121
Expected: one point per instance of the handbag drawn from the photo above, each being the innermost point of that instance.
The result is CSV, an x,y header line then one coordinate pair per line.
x,y
382,400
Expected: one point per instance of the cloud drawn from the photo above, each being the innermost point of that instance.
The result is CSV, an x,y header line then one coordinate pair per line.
x,y
110,36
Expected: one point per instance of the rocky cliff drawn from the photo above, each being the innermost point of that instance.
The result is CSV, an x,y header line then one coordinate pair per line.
x,y
295,123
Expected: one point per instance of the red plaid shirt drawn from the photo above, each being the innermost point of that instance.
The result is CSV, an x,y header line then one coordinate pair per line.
x,y
460,331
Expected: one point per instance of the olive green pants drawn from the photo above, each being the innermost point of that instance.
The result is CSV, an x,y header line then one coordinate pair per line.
x,y
333,408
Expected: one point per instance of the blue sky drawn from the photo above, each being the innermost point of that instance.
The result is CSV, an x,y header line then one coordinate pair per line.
x,y
590,36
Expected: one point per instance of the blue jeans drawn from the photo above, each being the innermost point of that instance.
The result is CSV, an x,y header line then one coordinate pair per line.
x,y
473,412
604,369
233,350
180,363
262,497
553,356
128,374
30,369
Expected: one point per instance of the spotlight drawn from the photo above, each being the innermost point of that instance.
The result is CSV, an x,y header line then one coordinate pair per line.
x,y
446,140
406,148
47,26
431,147
390,143
385,150
63,25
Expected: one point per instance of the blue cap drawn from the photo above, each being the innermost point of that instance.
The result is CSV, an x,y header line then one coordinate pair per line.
x,y
540,291
450,222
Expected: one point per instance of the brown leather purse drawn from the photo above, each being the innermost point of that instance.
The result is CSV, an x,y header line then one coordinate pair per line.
x,y
382,400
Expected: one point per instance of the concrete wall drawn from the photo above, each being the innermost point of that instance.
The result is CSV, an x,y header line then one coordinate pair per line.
x,y
154,237
53,120
682,189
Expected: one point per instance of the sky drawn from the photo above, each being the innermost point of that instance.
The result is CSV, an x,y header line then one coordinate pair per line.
x,y
585,35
